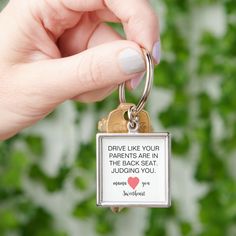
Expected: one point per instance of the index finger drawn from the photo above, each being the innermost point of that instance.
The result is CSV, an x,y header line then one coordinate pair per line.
x,y
140,23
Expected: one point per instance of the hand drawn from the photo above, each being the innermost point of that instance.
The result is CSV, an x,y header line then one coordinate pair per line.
x,y
55,50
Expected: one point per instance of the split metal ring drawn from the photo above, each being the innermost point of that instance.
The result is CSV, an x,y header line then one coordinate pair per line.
x,y
148,84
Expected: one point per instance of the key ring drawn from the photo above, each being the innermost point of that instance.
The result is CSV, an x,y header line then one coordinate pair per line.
x,y
148,84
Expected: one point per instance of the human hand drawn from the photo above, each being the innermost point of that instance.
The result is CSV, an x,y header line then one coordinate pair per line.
x,y
52,51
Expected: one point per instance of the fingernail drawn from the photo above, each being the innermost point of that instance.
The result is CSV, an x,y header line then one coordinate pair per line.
x,y
135,82
131,61
156,52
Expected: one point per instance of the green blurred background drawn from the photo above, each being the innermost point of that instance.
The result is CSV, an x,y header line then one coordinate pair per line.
x,y
47,173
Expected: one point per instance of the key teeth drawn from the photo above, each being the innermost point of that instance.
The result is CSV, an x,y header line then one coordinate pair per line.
x,y
102,124
116,209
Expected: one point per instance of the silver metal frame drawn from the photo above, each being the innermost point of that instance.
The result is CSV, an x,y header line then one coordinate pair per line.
x,y
100,201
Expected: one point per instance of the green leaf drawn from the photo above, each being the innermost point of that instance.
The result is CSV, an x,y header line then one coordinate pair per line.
x,y
80,183
186,228
35,144
8,220
181,146
176,114
86,157
52,184
40,224
86,208
14,170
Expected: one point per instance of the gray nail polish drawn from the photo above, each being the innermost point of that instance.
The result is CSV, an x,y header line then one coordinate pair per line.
x,y
156,52
131,61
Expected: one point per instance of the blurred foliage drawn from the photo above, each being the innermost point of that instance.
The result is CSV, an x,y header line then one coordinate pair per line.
x,y
189,112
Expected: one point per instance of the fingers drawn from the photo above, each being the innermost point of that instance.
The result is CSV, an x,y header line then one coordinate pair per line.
x,y
105,34
139,20
81,5
69,45
137,16
103,66
75,40
86,35
106,15
102,34
96,95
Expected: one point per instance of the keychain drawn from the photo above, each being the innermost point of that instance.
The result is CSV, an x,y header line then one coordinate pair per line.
x,y
133,162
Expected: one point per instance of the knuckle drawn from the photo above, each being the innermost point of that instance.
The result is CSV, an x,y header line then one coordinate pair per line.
x,y
95,72
89,72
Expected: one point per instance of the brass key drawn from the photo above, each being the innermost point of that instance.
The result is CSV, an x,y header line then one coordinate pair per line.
x,y
116,121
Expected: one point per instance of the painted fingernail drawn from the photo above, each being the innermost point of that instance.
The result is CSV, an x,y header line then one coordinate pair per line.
x,y
131,61
156,52
135,82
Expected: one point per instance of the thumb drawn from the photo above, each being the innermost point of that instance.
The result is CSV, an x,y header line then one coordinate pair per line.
x,y
102,66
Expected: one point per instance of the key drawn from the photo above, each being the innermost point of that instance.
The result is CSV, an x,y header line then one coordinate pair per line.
x,y
116,121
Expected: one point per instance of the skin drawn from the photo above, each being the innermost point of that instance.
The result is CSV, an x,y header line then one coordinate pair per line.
x,y
55,50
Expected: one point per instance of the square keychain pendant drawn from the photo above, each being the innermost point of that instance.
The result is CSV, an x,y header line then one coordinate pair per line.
x,y
133,169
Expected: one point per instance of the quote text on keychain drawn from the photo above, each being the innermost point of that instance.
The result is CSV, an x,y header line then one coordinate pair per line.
x,y
133,163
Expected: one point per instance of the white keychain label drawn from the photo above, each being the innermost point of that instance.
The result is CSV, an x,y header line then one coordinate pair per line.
x,y
133,170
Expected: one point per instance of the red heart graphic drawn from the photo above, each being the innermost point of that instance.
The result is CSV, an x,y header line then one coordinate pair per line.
x,y
133,182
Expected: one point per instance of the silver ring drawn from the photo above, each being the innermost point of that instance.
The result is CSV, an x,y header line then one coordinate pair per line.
x,y
148,83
